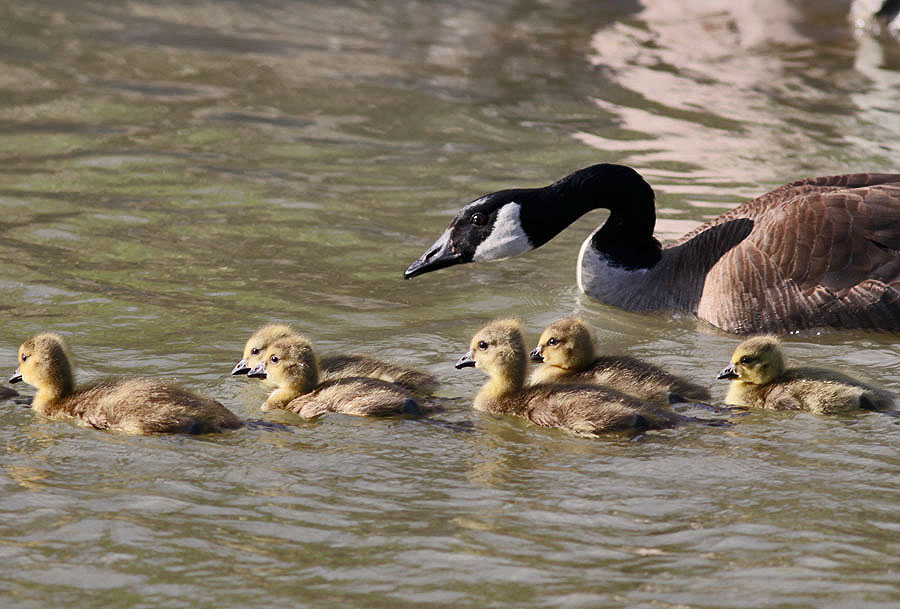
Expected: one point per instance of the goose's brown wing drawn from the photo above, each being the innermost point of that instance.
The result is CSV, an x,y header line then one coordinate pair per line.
x,y
822,252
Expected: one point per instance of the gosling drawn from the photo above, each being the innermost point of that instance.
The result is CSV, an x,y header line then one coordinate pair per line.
x,y
566,350
292,366
760,379
136,406
499,350
337,366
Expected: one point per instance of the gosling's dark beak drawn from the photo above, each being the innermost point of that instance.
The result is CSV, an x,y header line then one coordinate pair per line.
x,y
466,361
536,355
728,373
240,368
16,377
258,372
439,256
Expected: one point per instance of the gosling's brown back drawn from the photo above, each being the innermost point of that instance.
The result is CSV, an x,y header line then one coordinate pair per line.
x,y
583,409
358,396
823,391
638,378
355,365
147,406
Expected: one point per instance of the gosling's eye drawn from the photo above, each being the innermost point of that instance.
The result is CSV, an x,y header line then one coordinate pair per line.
x,y
254,351
24,357
746,360
478,219
482,345
274,359
552,342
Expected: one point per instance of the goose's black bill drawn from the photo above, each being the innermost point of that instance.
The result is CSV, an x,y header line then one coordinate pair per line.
x,y
439,256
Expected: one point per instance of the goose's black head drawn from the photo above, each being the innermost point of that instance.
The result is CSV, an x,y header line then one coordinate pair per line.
x,y
489,228
510,222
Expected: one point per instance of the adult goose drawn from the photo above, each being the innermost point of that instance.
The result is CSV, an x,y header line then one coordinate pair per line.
x,y
817,252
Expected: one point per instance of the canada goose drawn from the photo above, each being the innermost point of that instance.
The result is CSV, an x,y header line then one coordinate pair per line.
x,y
137,405
335,366
816,252
499,350
292,366
566,350
759,379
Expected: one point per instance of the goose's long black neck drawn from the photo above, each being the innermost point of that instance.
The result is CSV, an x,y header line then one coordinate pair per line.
x,y
626,238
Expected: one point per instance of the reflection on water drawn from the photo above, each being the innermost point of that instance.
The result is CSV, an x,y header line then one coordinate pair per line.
x,y
176,173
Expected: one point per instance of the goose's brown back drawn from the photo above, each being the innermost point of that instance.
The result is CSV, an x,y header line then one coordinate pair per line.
x,y
821,252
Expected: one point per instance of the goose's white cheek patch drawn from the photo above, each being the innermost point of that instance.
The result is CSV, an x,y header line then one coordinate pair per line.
x,y
507,239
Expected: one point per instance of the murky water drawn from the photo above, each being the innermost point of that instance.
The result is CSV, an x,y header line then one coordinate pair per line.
x,y
172,175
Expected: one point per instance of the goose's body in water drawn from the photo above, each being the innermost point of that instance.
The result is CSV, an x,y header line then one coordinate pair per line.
x,y
818,252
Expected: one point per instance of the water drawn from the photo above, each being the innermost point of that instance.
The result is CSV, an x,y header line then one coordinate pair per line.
x,y
175,174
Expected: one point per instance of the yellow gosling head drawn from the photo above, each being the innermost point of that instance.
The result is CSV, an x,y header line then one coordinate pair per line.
x,y
565,344
291,366
256,345
756,361
45,363
499,350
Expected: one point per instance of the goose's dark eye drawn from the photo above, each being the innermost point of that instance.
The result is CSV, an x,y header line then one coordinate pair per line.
x,y
482,345
24,357
254,351
746,360
552,342
274,359
478,219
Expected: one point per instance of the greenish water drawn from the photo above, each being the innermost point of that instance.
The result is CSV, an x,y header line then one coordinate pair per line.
x,y
173,175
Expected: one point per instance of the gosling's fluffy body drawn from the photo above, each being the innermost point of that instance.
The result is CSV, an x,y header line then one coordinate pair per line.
x,y
137,406
760,379
499,350
357,365
291,364
336,366
566,350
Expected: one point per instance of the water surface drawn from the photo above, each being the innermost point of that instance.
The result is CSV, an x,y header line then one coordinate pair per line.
x,y
174,174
